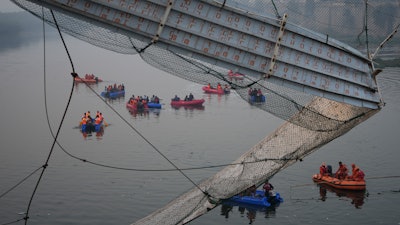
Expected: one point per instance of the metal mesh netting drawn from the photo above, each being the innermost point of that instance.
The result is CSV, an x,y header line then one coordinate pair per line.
x,y
363,24
275,152
280,101
311,121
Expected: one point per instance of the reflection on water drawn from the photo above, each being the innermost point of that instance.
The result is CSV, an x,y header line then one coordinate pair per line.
x,y
88,135
250,211
144,113
189,107
119,99
357,197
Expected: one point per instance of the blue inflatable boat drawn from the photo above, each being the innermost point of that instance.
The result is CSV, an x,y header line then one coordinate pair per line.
x,y
153,105
258,199
90,126
113,94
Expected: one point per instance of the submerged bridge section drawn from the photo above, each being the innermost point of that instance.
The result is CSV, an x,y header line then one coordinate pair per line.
x,y
263,48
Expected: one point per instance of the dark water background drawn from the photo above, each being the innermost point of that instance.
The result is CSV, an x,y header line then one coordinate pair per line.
x,y
74,192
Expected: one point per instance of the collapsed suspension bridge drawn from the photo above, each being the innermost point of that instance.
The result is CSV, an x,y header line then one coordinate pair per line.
x,y
319,85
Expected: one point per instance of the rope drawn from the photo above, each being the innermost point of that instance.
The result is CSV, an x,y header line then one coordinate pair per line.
x,y
141,135
167,170
383,177
20,182
276,10
58,131
16,221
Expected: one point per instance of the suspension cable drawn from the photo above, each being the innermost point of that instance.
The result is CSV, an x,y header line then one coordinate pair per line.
x,y
59,128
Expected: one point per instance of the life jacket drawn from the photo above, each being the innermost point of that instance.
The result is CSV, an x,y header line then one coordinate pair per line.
x,y
322,170
343,169
98,120
361,174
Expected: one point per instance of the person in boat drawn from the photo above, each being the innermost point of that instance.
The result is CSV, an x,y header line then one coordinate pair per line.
x,y
342,171
176,98
209,86
219,87
226,88
88,116
97,120
357,174
329,170
186,98
268,188
140,106
101,117
131,99
191,97
84,115
353,171
144,102
84,120
323,170
360,175
251,191
254,92
155,99
259,95
253,95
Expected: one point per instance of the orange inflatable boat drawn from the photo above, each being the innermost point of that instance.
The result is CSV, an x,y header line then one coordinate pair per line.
x,y
340,184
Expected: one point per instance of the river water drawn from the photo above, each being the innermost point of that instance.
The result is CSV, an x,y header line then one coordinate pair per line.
x,y
76,192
